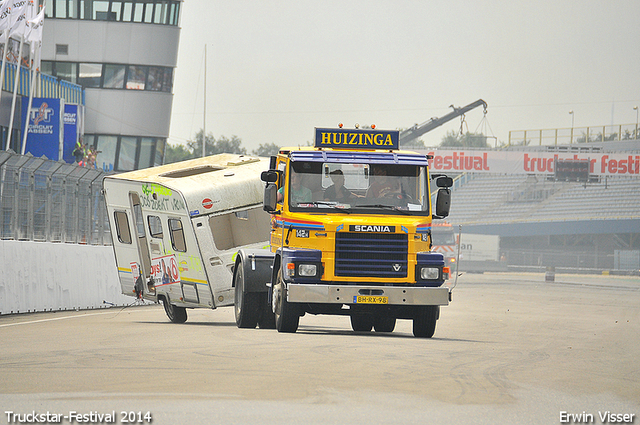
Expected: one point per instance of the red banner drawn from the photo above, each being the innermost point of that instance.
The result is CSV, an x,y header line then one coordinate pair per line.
x,y
519,162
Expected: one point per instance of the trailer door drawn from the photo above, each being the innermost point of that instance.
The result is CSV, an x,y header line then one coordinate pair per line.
x,y
141,240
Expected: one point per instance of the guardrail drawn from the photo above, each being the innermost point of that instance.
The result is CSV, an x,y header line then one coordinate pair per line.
x,y
47,86
52,201
567,136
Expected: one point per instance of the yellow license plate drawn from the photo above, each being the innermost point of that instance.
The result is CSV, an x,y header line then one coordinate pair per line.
x,y
370,299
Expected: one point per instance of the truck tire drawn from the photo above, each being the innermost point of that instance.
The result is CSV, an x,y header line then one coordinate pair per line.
x,y
267,319
384,323
286,314
361,322
246,304
174,313
424,324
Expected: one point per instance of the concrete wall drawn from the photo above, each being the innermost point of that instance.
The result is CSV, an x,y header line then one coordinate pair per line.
x,y
40,276
111,42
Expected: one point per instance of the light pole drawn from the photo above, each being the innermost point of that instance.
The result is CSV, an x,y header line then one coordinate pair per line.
x,y
571,113
635,108
204,114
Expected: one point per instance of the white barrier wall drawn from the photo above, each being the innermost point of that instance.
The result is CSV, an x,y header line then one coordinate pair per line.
x,y
40,276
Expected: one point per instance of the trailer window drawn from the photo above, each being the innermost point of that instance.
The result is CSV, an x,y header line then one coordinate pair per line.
x,y
155,226
122,227
177,235
137,215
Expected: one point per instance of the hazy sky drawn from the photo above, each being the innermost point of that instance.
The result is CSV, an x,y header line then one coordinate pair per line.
x,y
277,69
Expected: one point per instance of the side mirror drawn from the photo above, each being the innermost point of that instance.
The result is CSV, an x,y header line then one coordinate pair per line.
x,y
270,198
444,181
443,203
270,176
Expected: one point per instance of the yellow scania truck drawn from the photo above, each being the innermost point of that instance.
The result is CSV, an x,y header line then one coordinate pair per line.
x,y
350,234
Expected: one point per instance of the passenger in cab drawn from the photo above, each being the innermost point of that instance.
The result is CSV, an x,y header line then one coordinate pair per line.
x,y
299,193
337,191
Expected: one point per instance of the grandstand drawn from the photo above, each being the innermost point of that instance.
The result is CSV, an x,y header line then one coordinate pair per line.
x,y
589,225
531,199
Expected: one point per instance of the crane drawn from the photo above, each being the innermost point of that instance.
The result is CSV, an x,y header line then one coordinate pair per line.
x,y
420,129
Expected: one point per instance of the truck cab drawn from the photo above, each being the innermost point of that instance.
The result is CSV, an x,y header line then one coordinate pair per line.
x,y
351,234
444,240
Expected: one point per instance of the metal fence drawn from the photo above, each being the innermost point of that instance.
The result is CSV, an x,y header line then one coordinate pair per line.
x,y
51,201
569,136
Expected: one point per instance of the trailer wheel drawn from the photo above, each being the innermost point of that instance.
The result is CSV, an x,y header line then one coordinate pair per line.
x,y
424,324
246,303
174,313
361,322
267,319
384,323
286,314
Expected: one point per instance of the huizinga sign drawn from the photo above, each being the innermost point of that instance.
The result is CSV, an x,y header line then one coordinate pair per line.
x,y
360,139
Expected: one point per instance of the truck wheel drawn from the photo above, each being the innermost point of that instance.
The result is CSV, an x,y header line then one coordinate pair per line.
x,y
424,324
267,319
384,323
246,303
286,314
361,322
174,313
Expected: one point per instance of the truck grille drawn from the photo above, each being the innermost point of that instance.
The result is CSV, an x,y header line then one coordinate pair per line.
x,y
371,255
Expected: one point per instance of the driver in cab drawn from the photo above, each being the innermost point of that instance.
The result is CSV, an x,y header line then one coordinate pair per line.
x,y
382,185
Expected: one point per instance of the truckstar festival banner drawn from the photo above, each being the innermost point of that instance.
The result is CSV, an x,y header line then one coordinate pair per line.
x,y
45,127
518,162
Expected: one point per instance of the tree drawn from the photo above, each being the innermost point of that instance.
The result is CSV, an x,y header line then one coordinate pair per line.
x,y
195,145
266,149
233,145
177,153
213,146
467,140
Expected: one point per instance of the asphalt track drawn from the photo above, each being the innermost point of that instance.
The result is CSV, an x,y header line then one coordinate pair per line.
x,y
510,349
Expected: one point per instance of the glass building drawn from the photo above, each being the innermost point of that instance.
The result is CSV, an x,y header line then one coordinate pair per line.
x,y
123,54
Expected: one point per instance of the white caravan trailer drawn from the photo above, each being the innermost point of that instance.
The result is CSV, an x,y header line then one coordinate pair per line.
x,y
176,229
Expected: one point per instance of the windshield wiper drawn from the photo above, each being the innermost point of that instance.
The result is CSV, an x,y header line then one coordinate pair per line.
x,y
332,205
386,207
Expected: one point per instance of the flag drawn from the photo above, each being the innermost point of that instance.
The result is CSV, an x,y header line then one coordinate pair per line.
x,y
17,18
34,30
4,14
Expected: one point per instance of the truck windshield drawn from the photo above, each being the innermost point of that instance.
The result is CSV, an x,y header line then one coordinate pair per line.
x,y
360,188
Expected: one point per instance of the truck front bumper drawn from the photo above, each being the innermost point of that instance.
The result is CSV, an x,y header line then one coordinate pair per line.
x,y
345,294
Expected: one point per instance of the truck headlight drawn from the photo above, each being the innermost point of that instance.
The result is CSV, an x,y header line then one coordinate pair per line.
x,y
429,273
307,270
